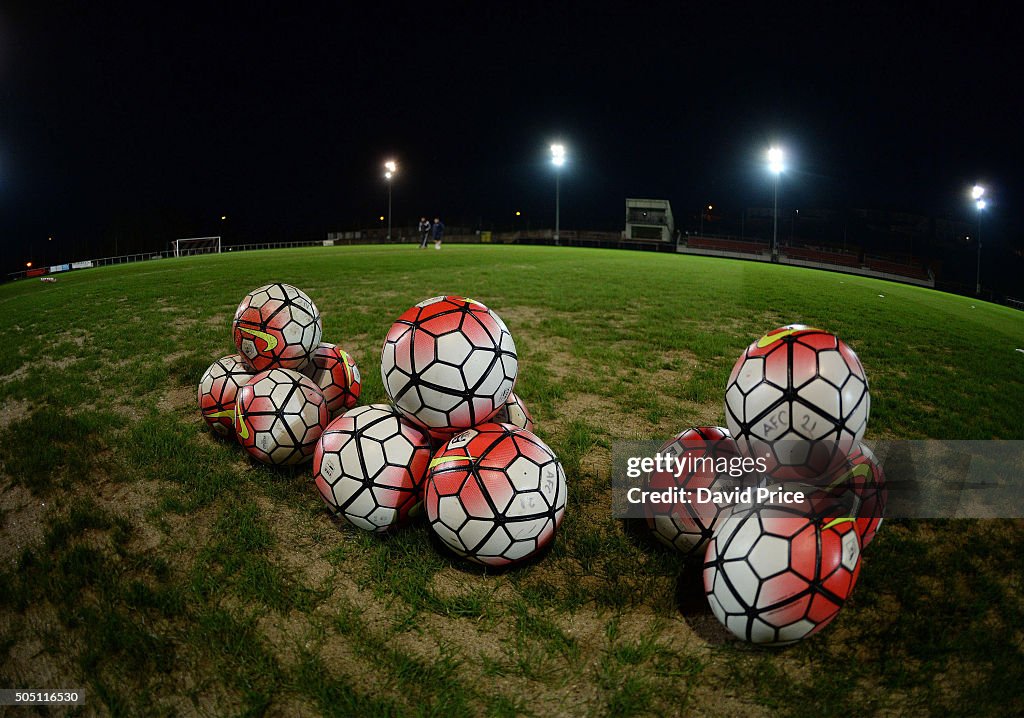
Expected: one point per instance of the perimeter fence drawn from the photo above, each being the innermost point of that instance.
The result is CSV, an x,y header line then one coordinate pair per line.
x,y
566,238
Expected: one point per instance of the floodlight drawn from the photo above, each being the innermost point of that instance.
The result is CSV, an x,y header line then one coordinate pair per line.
x,y
558,155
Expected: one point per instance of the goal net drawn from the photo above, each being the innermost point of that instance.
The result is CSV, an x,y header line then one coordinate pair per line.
x,y
195,245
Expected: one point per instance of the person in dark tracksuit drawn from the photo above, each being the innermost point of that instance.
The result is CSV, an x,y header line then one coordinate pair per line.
x,y
424,230
438,231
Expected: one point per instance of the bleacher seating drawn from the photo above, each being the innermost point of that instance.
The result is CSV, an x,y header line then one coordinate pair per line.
x,y
727,245
815,255
904,270
892,265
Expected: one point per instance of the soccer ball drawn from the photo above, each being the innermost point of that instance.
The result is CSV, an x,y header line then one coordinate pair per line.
x,y
279,415
514,412
862,478
799,397
336,373
448,363
277,326
773,574
687,527
369,466
495,494
218,389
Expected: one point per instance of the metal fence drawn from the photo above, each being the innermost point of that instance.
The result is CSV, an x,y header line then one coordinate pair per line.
x,y
459,235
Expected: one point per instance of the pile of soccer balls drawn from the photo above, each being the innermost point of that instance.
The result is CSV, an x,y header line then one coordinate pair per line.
x,y
779,569
455,439
277,394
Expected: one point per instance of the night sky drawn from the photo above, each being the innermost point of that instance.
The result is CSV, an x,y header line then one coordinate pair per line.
x,y
139,124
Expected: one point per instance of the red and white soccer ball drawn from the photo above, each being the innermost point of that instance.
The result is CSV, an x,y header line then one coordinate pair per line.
x,y
688,526
336,373
774,574
279,415
862,478
218,389
799,397
495,494
277,326
369,466
448,364
514,412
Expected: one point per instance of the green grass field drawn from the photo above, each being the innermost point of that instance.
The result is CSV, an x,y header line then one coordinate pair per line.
x,y
154,565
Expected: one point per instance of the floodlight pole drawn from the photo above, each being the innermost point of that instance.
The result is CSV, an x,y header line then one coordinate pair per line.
x,y
978,195
557,159
977,289
775,166
775,219
558,205
708,208
390,168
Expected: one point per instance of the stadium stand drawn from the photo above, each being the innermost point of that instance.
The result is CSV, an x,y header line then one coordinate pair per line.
x,y
727,245
810,254
889,267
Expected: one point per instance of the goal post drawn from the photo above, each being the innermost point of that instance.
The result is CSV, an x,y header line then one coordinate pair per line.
x,y
195,245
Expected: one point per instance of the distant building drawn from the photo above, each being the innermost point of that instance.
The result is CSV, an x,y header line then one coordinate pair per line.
x,y
649,220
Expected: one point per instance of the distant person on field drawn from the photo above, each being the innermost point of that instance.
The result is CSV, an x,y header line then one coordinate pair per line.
x,y
424,230
438,231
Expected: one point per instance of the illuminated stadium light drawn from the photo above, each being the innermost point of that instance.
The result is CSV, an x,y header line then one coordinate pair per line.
x,y
775,165
557,155
703,211
977,191
390,170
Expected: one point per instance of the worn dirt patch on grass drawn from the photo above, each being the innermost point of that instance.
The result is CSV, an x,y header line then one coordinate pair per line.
x,y
298,548
12,410
23,522
522,316
177,399
29,661
78,337
133,501
218,320
37,363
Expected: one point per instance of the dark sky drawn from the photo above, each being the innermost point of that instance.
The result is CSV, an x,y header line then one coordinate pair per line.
x,y
147,122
